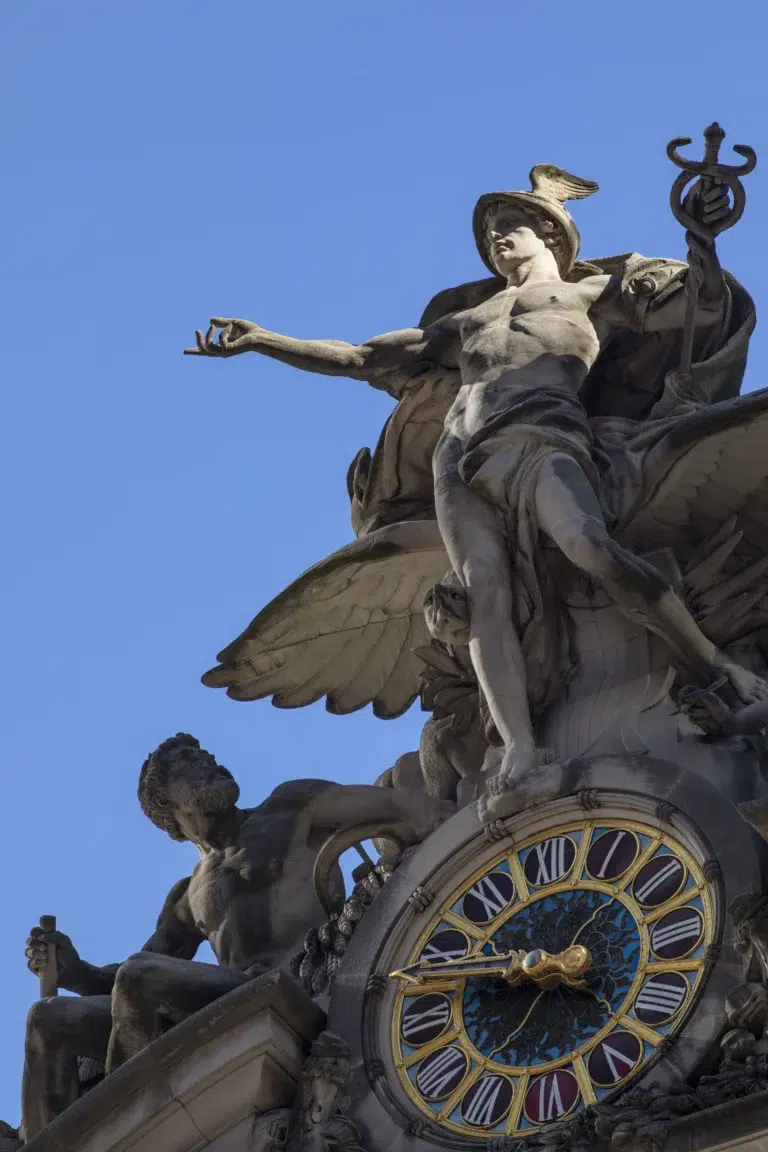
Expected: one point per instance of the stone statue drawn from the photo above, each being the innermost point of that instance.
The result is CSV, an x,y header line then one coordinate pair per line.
x,y
519,469
316,1122
747,1005
323,1080
251,897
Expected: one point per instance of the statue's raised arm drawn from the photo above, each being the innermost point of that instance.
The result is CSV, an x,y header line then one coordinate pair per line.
x,y
393,351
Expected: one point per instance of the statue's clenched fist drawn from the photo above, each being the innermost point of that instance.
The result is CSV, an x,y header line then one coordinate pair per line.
x,y
234,336
67,957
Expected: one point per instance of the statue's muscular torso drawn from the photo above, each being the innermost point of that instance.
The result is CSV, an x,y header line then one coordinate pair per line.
x,y
255,901
542,335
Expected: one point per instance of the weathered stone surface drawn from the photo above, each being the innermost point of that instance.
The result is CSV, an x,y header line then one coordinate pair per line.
x,y
561,549
210,1074
581,473
256,893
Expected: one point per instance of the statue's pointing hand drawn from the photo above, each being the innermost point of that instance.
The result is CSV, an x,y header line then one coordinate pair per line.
x,y
67,957
234,336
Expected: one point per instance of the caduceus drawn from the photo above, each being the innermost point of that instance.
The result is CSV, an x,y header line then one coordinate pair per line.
x,y
704,211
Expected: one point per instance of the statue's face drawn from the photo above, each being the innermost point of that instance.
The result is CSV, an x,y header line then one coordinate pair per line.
x,y
446,614
197,783
515,236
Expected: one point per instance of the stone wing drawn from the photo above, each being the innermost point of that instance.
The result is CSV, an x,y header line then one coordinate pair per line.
x,y
346,629
703,494
700,470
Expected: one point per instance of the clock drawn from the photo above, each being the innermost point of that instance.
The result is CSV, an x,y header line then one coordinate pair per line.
x,y
509,977
549,976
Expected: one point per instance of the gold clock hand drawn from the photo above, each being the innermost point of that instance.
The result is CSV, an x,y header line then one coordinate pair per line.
x,y
568,967
504,967
547,971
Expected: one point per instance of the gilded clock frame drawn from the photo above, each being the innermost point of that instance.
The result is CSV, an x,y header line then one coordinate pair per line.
x,y
647,965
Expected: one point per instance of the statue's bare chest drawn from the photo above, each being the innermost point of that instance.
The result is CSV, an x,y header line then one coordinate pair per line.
x,y
519,324
213,885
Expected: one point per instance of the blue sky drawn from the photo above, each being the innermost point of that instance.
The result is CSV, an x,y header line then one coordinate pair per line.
x,y
313,168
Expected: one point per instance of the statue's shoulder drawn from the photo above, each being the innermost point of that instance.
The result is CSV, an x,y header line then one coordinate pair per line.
x,y
459,298
634,273
290,796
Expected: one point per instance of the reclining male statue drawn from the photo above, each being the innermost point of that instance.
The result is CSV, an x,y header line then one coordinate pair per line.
x,y
251,897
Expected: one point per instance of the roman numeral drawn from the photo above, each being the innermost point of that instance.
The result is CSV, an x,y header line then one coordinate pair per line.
x,y
614,1058
550,1100
493,894
434,952
549,860
665,874
659,996
663,937
551,1097
431,1021
610,853
485,1107
441,1072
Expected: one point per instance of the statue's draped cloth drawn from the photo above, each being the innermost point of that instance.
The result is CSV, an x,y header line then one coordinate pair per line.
x,y
503,459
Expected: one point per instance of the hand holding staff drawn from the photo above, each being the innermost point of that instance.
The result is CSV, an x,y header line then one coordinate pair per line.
x,y
706,224
41,957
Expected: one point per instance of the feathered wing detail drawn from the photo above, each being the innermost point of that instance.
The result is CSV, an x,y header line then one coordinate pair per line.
x,y
702,490
697,472
555,183
396,482
346,629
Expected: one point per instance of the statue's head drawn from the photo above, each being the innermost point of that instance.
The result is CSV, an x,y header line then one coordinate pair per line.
x,y
180,778
513,226
446,613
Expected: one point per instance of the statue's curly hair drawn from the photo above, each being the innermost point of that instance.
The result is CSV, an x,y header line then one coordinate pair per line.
x,y
153,783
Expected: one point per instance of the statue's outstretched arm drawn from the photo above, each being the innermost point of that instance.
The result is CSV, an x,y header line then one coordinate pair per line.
x,y
227,337
347,805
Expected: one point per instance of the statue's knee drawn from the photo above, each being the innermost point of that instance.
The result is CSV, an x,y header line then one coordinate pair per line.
x,y
44,1020
131,978
589,548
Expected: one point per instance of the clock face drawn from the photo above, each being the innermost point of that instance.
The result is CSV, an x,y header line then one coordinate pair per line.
x,y
548,978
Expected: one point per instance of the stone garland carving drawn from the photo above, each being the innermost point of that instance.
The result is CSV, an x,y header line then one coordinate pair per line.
x,y
318,962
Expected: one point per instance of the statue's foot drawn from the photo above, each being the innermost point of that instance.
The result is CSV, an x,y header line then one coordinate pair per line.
x,y
748,686
498,801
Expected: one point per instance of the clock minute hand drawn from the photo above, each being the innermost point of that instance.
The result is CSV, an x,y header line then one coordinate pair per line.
x,y
547,971
508,967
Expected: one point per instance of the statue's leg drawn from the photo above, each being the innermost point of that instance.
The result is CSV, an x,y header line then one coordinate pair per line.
x,y
569,512
152,992
474,538
58,1031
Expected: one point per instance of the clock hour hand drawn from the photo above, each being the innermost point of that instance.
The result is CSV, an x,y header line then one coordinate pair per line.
x,y
540,967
